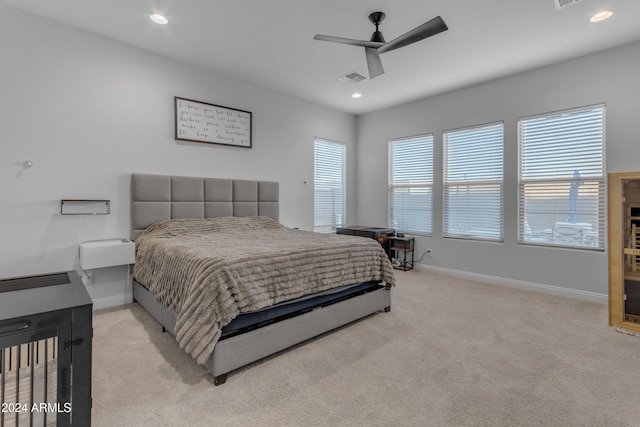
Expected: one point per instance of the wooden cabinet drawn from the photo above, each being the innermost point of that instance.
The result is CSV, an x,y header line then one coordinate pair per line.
x,y
624,249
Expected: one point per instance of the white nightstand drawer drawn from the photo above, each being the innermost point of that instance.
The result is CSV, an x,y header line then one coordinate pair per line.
x,y
106,253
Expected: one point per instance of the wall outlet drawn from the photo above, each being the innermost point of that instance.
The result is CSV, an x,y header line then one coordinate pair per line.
x,y
428,251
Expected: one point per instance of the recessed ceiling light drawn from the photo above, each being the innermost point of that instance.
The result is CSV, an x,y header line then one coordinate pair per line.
x,y
159,19
601,15
356,95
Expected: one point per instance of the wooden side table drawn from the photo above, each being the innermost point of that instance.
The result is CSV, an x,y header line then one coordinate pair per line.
x,y
404,246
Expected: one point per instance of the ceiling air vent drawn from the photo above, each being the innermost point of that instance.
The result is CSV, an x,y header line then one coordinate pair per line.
x,y
561,4
352,77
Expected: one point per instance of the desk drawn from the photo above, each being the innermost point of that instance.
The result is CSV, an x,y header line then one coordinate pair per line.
x,y
380,234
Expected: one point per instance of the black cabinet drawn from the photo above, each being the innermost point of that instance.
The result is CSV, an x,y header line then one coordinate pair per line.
x,y
45,351
377,233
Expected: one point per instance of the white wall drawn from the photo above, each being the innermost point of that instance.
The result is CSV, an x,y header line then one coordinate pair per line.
x,y
612,77
89,111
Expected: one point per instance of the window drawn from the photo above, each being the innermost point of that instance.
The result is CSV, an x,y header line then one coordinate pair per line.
x,y
411,184
561,179
473,182
328,185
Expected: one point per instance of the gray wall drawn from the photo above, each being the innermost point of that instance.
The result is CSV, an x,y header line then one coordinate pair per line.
x,y
612,77
88,112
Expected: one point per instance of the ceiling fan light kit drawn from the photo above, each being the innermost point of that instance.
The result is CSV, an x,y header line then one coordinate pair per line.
x,y
377,45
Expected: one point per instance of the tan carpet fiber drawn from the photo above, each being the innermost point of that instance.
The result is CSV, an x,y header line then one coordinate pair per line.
x,y
450,353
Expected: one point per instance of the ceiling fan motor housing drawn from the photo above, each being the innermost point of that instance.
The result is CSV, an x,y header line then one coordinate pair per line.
x,y
377,37
376,18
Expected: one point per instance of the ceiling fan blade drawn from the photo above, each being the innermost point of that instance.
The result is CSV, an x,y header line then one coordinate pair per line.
x,y
428,29
363,43
373,62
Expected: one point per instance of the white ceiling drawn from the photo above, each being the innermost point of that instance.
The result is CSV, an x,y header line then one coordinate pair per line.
x,y
270,43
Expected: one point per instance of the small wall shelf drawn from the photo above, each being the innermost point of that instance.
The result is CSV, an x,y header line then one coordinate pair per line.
x,y
85,207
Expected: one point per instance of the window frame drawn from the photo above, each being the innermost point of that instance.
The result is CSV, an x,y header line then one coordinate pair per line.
x,y
601,180
427,185
447,184
330,228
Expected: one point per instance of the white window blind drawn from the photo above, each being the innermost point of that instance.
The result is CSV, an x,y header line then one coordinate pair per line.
x,y
328,185
411,184
473,182
561,180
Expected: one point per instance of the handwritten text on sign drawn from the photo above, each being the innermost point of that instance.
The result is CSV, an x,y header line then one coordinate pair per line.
x,y
202,122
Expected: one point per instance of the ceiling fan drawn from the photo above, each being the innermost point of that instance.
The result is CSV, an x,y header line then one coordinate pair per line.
x,y
377,45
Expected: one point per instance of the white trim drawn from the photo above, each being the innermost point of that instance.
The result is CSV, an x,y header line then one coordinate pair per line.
x,y
519,284
627,332
112,301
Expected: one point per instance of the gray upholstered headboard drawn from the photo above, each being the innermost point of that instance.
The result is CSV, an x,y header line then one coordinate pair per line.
x,y
161,197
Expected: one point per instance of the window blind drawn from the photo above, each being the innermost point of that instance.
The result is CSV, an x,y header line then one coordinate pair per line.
x,y
561,180
411,184
473,182
328,185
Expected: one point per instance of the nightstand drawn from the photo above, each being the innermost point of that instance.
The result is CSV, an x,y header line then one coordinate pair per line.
x,y
104,253
402,246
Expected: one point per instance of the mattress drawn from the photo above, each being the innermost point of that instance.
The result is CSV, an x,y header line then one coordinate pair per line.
x,y
288,309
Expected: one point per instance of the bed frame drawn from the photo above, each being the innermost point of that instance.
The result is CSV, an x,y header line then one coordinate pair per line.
x,y
159,197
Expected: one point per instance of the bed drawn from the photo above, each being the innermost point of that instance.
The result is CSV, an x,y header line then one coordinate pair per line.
x,y
218,271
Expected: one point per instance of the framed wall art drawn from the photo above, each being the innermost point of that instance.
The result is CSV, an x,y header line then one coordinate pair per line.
x,y
213,124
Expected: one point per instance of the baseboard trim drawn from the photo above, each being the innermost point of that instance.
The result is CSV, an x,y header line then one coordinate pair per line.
x,y
519,284
112,301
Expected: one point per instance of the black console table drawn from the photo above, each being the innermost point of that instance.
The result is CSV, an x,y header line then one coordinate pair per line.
x,y
45,350
377,233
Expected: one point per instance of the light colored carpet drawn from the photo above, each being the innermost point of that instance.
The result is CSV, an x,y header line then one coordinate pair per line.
x,y
450,353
